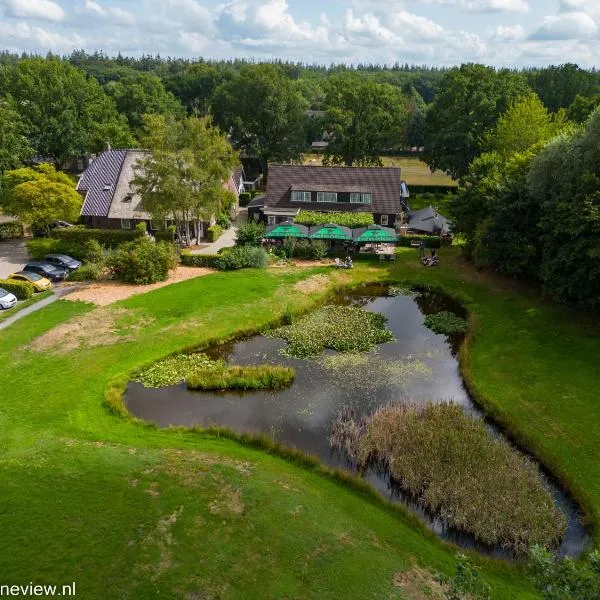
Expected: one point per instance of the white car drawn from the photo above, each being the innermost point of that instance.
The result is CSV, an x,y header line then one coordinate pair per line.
x,y
7,300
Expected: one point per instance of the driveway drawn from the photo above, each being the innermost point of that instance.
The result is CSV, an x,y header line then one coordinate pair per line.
x,y
227,240
13,256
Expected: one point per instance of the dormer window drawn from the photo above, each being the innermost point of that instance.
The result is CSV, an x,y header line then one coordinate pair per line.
x,y
107,187
299,196
360,198
327,196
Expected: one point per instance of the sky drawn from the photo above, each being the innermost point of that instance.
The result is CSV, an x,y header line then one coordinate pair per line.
x,y
434,32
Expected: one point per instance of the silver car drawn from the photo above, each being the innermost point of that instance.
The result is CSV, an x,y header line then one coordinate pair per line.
x,y
7,300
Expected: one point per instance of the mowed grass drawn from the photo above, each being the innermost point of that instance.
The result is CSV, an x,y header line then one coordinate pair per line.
x,y
5,314
127,510
414,170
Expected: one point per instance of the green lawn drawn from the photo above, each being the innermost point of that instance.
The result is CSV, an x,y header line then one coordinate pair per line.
x,y
127,510
24,304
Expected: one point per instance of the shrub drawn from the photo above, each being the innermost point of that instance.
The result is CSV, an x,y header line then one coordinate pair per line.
x,y
165,235
88,272
224,221
352,220
199,260
245,198
341,328
173,369
250,234
319,249
21,289
445,322
431,241
89,250
449,461
142,227
11,230
213,233
110,238
93,252
241,378
37,248
143,261
242,257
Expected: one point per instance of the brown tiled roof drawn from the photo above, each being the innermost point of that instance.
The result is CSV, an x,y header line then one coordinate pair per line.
x,y
383,183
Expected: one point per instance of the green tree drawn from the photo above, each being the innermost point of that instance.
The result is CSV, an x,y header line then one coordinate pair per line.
x,y
526,123
416,110
264,113
363,118
138,94
195,86
14,145
66,113
582,108
183,175
40,195
467,106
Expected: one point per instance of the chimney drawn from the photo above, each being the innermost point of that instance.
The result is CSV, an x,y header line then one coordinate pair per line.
x,y
107,145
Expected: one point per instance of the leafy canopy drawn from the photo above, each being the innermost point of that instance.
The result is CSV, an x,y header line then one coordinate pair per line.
x,y
14,145
40,195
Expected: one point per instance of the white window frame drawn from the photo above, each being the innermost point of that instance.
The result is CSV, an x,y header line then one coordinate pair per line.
x,y
271,220
300,196
384,220
360,198
330,197
125,223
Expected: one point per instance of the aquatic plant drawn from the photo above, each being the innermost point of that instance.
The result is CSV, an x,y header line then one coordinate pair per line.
x,y
401,290
173,370
448,460
445,322
341,328
241,378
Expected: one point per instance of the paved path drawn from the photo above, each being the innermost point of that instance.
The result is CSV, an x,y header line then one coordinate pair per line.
x,y
227,240
13,256
59,292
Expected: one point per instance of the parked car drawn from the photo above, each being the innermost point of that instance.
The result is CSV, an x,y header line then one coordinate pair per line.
x,y
7,300
62,261
46,270
39,283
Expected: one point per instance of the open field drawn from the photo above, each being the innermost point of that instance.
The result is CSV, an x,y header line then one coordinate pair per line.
x,y
414,171
127,510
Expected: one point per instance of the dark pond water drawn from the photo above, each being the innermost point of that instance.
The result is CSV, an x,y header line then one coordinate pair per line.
x,y
420,365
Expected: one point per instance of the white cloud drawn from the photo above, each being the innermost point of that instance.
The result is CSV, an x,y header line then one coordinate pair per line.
x,y
21,36
507,33
114,14
484,5
34,9
566,26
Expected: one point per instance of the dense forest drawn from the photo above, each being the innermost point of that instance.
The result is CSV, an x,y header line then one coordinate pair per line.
x,y
524,145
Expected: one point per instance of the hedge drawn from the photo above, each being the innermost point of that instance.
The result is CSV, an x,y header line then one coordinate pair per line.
x,y
11,230
21,289
213,233
432,189
110,238
199,260
349,219
431,241
245,198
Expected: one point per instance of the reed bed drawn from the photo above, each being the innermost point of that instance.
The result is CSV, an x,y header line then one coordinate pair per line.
x,y
241,378
341,328
173,369
448,460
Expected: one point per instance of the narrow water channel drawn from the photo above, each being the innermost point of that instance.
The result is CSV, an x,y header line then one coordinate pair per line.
x,y
419,366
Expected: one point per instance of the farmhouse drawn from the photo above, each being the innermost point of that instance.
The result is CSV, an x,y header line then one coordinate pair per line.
x,y
292,188
109,200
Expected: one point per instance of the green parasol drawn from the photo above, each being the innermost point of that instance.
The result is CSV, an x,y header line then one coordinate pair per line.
x,y
374,234
330,232
286,230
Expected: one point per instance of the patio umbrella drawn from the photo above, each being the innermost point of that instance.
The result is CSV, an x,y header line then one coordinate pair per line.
x,y
374,234
330,232
286,230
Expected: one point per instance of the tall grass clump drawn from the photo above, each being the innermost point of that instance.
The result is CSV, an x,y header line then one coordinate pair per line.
x,y
341,328
476,483
241,378
173,369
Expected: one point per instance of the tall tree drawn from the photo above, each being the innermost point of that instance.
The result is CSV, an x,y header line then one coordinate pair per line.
x,y
194,86
182,177
582,108
467,106
363,119
14,145
264,113
40,195
138,94
66,114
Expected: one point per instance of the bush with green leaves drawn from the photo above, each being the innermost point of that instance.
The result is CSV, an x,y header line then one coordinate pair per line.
x,y
213,233
143,261
466,583
447,459
11,230
109,238
446,323
250,234
173,369
245,198
341,328
198,260
21,289
88,272
242,257
352,220
223,221
260,377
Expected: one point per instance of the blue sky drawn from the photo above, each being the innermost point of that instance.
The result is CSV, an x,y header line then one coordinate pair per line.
x,y
437,32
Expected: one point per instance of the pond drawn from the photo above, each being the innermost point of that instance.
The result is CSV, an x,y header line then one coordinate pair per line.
x,y
419,366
